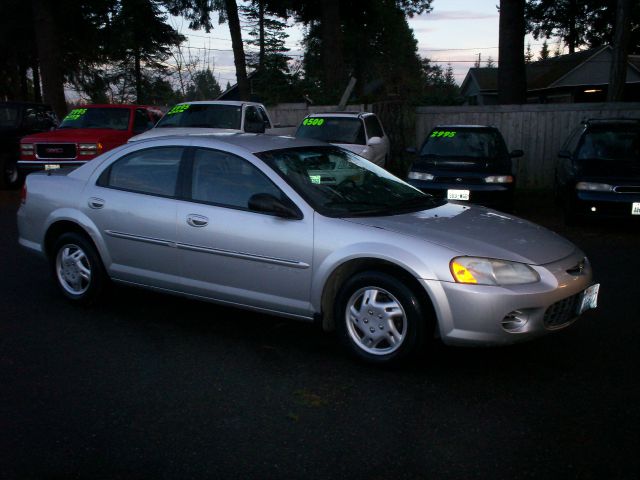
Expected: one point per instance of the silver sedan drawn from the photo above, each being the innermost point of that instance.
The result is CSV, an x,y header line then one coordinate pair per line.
x,y
306,230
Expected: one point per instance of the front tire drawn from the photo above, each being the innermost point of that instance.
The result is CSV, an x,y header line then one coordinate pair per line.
x,y
77,269
10,175
379,319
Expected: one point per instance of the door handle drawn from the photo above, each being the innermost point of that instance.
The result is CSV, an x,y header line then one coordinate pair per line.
x,y
197,220
95,202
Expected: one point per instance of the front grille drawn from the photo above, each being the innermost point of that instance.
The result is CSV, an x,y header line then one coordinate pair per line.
x,y
462,181
627,189
56,150
562,313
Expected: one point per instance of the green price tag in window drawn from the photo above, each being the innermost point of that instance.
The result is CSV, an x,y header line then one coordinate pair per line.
x,y
75,114
178,109
313,122
315,178
442,134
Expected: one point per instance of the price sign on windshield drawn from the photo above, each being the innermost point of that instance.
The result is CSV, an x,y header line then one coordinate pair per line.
x,y
442,134
315,122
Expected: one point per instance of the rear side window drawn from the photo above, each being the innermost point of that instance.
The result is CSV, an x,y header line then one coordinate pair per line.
x,y
153,172
223,179
374,129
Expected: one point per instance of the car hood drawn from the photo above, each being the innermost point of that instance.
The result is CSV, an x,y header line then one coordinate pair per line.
x,y
164,132
629,168
77,135
466,164
477,231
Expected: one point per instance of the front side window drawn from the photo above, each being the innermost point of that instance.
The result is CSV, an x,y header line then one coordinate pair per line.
x,y
8,116
110,118
202,116
141,121
373,126
339,183
333,130
153,171
223,179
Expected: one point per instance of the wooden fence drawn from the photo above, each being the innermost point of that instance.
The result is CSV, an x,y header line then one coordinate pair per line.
x,y
539,130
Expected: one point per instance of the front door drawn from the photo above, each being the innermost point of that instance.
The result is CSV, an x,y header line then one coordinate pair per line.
x,y
236,255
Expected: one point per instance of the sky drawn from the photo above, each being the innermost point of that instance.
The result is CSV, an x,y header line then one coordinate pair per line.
x,y
455,32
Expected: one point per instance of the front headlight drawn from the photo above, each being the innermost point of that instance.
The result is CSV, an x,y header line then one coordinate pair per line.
x,y
419,176
499,179
89,148
594,187
489,271
27,148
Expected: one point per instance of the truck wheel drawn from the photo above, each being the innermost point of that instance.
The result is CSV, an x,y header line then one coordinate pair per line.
x,y
10,176
379,319
77,269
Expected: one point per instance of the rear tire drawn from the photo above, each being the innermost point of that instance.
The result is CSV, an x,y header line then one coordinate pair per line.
x,y
379,319
77,269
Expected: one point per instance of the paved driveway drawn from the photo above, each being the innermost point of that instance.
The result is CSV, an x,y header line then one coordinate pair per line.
x,y
153,386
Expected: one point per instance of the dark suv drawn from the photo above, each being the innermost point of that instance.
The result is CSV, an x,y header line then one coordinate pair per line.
x,y
18,119
466,163
598,174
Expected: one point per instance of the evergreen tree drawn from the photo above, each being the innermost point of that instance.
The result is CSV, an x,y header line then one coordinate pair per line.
x,y
490,62
203,87
544,51
528,54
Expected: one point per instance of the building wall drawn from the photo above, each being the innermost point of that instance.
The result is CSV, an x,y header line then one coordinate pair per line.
x,y
539,130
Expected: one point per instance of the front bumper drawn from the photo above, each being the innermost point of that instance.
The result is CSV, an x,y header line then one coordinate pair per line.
x,y
605,204
474,314
35,165
498,196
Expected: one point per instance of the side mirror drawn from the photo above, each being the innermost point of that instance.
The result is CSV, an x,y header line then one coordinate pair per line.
x,y
564,154
516,153
267,203
374,141
254,127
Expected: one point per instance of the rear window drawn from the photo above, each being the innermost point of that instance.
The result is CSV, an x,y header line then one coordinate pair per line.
x,y
619,144
452,142
333,130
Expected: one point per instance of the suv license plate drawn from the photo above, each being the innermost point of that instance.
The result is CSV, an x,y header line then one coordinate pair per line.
x,y
457,194
635,208
589,298
51,166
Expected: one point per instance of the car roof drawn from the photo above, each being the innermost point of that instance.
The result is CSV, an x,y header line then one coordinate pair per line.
x,y
237,103
340,114
250,142
607,122
467,126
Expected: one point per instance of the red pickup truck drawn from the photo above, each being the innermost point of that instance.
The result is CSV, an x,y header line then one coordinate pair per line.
x,y
87,131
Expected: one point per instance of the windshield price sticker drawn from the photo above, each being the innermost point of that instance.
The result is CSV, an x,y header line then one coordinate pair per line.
x,y
314,122
635,208
76,113
315,179
179,109
443,134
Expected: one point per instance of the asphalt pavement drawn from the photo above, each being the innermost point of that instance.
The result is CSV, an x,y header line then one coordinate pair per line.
x,y
153,386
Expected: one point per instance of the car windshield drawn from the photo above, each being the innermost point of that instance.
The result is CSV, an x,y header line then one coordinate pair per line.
x,y
8,116
333,130
338,183
618,144
111,118
471,144
203,116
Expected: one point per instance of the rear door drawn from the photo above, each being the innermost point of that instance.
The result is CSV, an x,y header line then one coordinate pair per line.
x,y
134,206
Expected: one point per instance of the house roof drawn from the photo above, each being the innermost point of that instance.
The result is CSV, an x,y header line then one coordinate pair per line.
x,y
543,73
